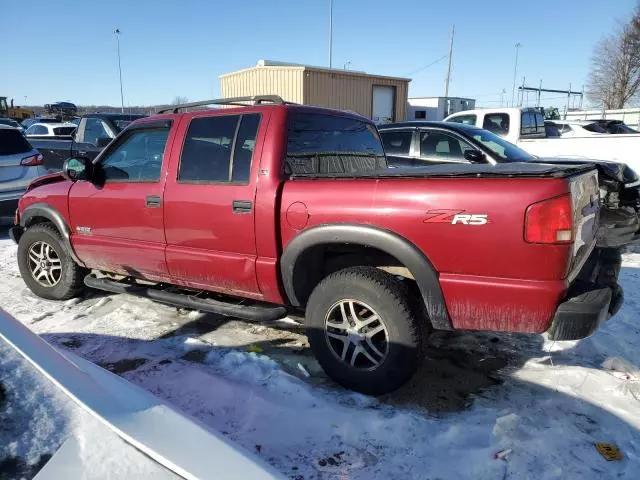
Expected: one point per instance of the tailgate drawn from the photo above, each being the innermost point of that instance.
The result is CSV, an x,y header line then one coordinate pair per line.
x,y
586,208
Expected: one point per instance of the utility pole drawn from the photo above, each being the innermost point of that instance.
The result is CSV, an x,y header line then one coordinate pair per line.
x,y
330,33
117,33
515,73
347,64
504,90
446,84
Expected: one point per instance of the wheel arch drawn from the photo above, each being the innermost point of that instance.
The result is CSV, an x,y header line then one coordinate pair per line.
x,y
404,251
39,212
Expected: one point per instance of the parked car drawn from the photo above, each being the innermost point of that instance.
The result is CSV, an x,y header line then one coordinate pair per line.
x,y
616,127
43,130
525,127
20,163
421,143
11,123
93,132
27,122
293,208
577,128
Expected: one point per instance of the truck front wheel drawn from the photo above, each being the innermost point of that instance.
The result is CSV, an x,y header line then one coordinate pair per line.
x,y
363,331
46,266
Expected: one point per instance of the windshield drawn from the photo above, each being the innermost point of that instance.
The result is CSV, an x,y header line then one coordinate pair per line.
x,y
502,150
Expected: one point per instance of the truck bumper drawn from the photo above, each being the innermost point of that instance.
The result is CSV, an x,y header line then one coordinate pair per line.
x,y
589,304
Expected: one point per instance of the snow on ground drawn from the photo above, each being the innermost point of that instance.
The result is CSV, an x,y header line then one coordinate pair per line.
x,y
545,403
36,419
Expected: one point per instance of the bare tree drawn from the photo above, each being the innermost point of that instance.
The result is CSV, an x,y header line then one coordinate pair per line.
x,y
178,100
615,66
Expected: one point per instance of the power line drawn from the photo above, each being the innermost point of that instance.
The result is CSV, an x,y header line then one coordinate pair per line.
x,y
427,66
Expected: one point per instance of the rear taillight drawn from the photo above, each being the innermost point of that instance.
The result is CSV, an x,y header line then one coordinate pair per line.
x,y
32,160
550,221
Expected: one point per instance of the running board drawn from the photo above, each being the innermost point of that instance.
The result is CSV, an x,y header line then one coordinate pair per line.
x,y
256,313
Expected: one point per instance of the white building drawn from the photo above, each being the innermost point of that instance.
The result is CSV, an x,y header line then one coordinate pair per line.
x,y
437,108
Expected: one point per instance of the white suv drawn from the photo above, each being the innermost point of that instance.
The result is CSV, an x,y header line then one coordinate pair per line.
x,y
20,163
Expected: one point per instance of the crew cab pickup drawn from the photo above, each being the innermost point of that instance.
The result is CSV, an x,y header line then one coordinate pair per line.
x,y
525,128
94,132
256,210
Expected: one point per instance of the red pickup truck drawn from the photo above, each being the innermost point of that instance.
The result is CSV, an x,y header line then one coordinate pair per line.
x,y
255,210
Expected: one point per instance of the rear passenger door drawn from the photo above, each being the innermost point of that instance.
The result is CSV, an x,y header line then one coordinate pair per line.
x,y
209,203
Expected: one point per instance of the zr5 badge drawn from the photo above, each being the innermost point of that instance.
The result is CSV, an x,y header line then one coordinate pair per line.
x,y
455,217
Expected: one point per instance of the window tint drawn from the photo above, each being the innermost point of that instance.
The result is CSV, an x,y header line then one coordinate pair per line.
x,y
64,130
497,123
440,146
12,142
93,130
208,148
137,158
396,142
420,114
466,119
319,143
551,129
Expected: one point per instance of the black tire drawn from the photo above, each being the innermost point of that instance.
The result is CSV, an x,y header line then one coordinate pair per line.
x,y
70,281
390,300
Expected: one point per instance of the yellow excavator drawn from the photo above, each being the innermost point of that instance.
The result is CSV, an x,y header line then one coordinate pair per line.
x,y
17,113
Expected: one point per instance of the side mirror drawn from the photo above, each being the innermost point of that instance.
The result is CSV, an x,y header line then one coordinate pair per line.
x,y
77,168
474,156
103,142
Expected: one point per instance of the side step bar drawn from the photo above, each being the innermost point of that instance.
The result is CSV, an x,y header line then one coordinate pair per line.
x,y
256,313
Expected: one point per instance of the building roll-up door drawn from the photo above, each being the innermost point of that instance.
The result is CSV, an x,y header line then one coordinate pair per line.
x,y
383,103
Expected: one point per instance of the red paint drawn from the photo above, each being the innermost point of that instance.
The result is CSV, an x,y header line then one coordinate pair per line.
x,y
490,276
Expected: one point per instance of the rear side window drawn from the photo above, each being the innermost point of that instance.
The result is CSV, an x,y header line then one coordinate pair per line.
x,y
466,119
63,131
320,143
595,128
497,123
396,142
219,149
12,142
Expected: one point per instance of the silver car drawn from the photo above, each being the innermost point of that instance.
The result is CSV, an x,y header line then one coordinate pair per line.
x,y
20,163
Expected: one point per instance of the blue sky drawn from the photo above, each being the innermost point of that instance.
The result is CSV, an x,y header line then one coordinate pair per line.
x,y
66,50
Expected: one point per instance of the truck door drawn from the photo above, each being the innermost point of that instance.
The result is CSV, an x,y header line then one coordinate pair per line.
x,y
91,137
117,220
209,203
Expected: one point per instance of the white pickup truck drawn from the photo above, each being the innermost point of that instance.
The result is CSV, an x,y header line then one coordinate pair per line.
x,y
525,128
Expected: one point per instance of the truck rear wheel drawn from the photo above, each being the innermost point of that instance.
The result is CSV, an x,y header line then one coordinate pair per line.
x,y
363,331
46,266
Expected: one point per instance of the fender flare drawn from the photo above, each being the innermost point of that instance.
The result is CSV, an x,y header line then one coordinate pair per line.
x,y
55,217
406,252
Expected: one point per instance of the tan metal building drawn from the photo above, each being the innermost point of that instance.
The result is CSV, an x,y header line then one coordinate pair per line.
x,y
381,98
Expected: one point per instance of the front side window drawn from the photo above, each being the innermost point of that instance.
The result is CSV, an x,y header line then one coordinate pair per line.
x,y
466,119
137,158
503,151
93,130
396,142
440,146
319,143
219,149
497,123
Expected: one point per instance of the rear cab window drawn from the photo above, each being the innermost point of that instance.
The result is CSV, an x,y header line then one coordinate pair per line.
x,y
323,143
12,142
532,124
